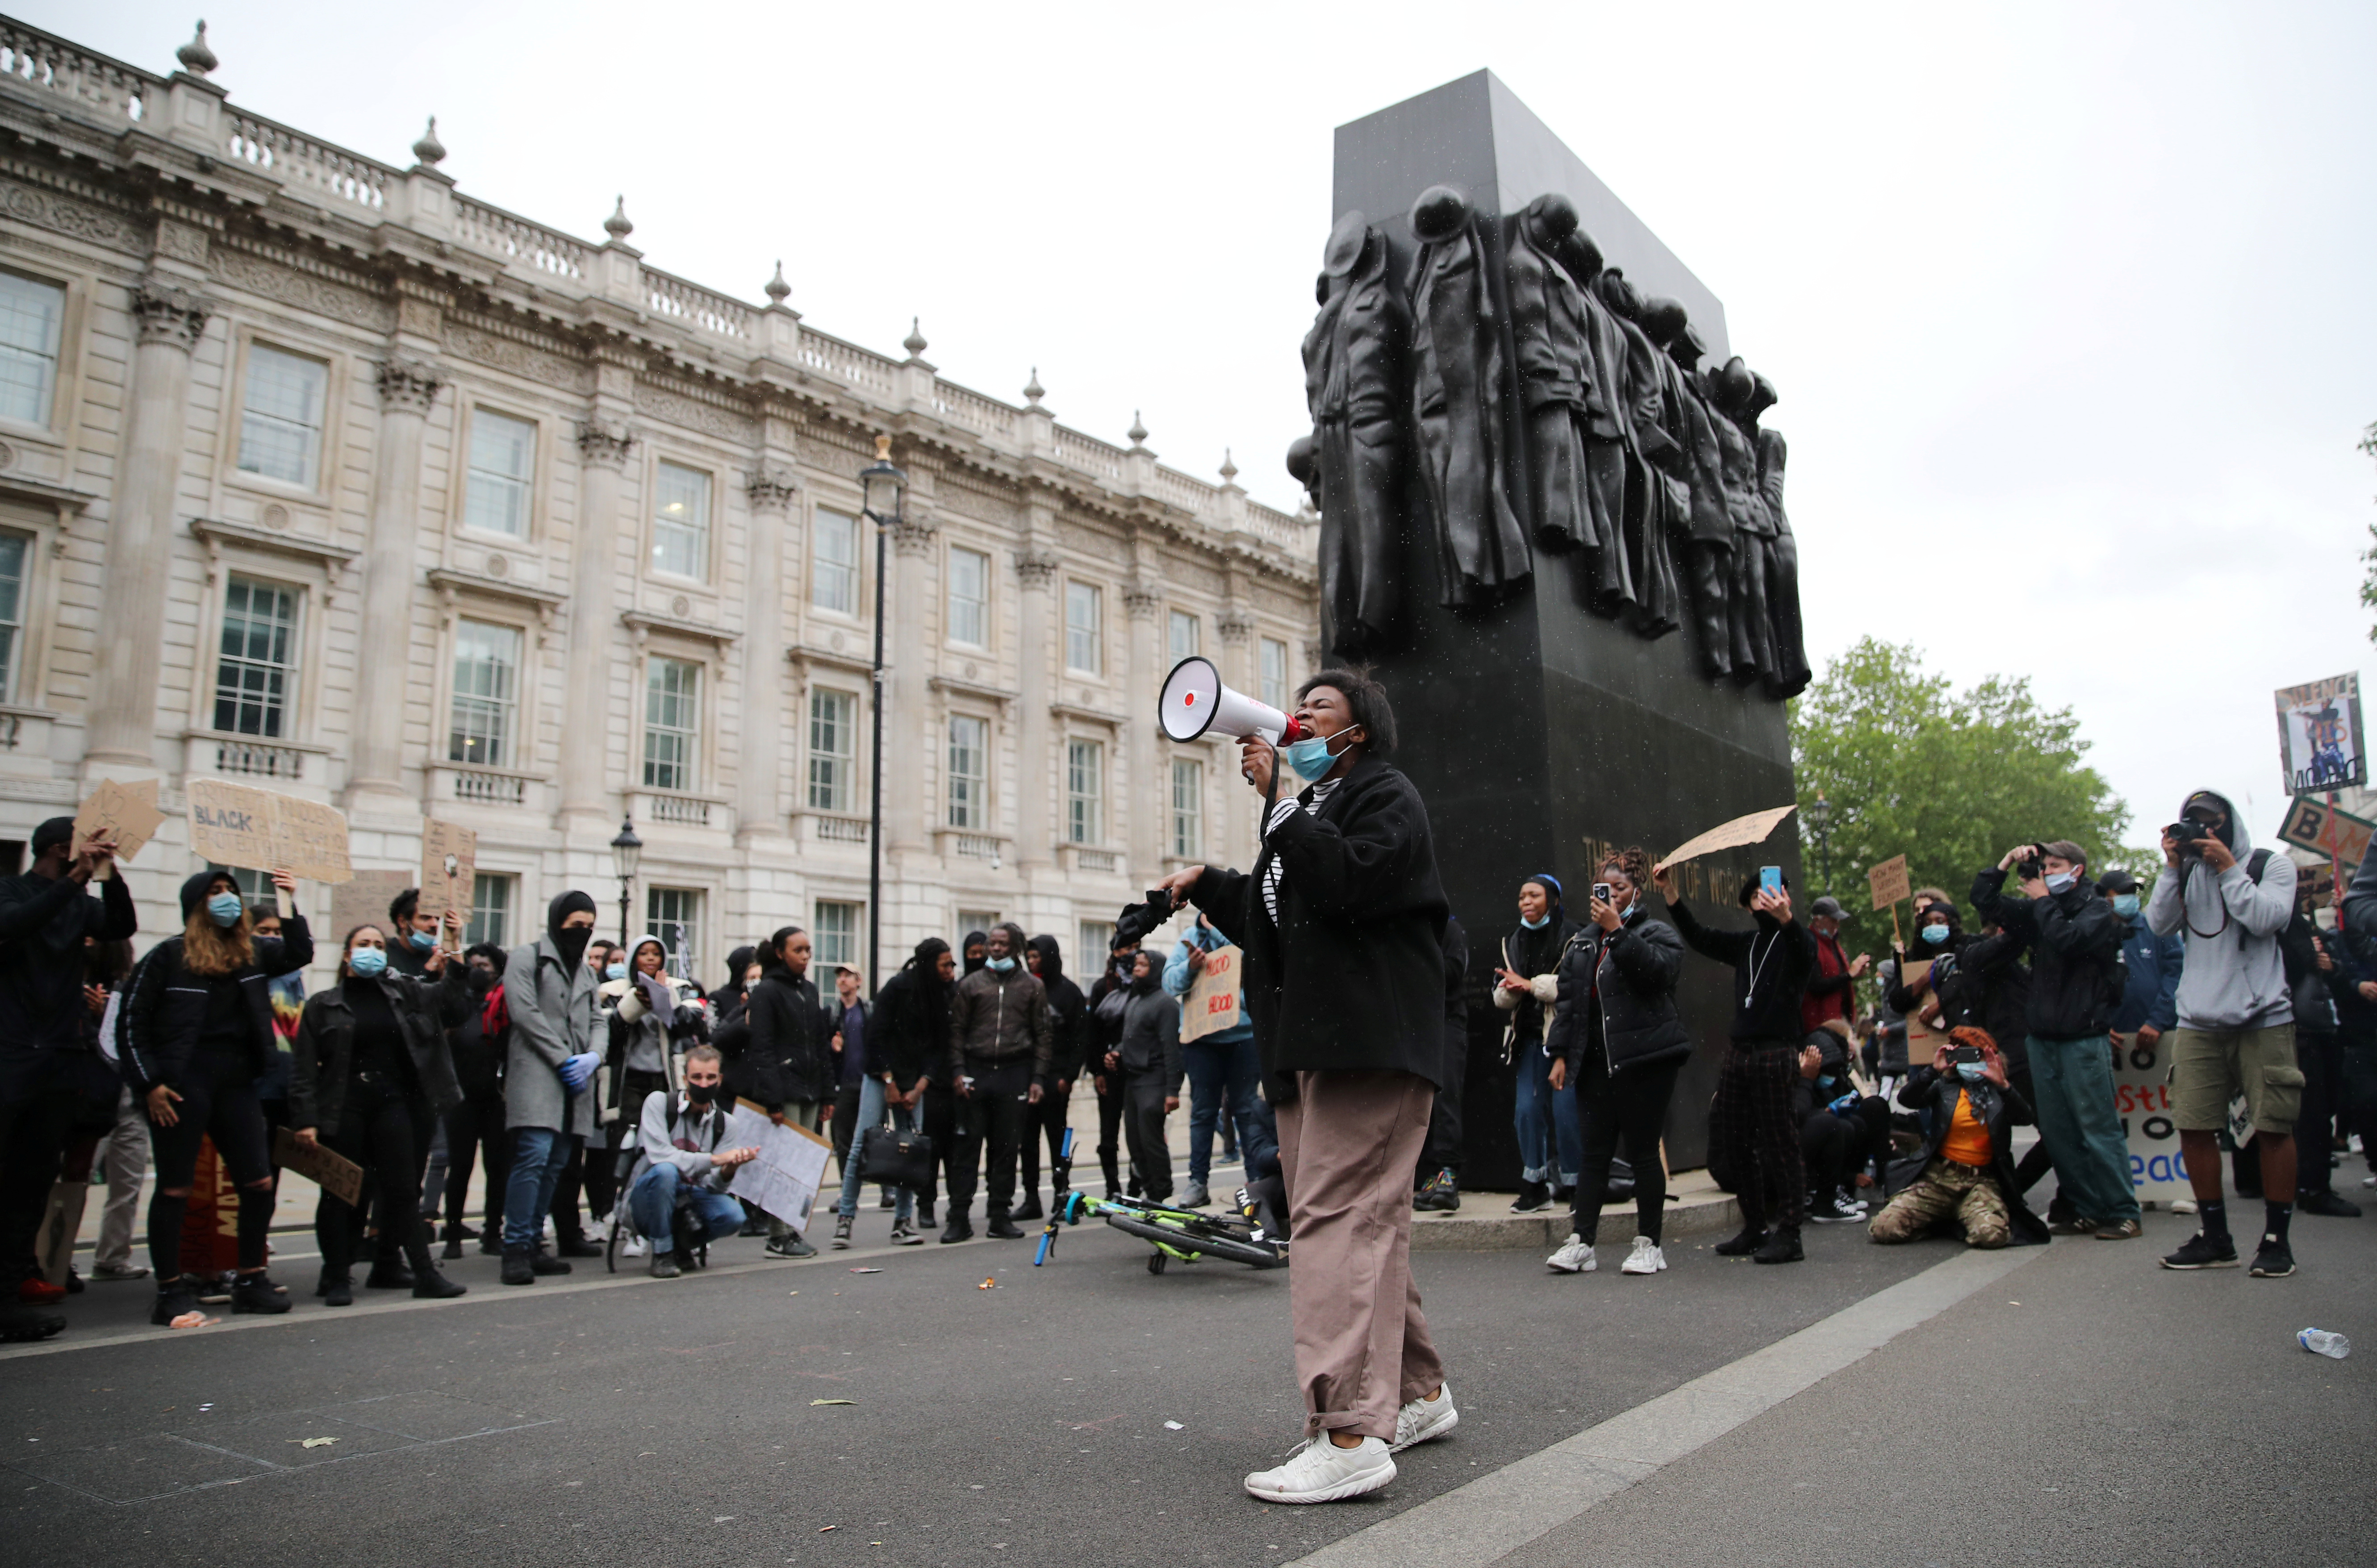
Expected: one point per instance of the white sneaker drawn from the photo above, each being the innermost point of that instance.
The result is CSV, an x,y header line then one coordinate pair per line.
x,y
1575,1256
633,1247
1322,1472
1646,1257
1424,1420
2183,1206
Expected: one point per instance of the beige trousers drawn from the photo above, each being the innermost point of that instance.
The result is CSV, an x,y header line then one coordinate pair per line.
x,y
1346,1149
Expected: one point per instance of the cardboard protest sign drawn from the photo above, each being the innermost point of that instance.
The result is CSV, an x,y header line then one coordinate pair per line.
x,y
1923,1041
237,824
1889,882
791,1167
2320,742
339,1177
2312,823
128,811
1211,1005
364,900
1741,830
2141,1097
449,866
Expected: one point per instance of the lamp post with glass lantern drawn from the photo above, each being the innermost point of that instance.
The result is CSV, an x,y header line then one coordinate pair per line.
x,y
627,851
1820,817
884,490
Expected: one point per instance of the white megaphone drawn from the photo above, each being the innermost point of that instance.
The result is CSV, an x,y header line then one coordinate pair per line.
x,y
1196,703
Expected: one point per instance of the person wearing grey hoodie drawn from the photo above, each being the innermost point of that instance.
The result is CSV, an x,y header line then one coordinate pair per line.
x,y
2236,1031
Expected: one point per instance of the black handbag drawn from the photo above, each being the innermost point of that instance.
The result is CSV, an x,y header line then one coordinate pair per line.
x,y
896,1159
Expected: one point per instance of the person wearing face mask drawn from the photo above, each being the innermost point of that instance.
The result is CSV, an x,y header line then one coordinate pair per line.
x,y
654,1018
911,1014
1001,1045
2074,942
1069,1027
1964,1173
474,1128
1526,982
676,1189
1109,997
412,935
549,1066
974,950
198,1033
788,1065
370,1072
1615,1033
1149,1059
2152,964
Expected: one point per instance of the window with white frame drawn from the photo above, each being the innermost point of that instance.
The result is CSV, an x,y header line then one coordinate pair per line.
x,y
253,674
1274,674
1188,807
834,563
33,316
15,550
672,721
681,521
972,920
833,749
493,896
1084,792
281,419
1184,635
503,462
969,598
674,914
836,939
1082,617
486,692
969,771
1090,958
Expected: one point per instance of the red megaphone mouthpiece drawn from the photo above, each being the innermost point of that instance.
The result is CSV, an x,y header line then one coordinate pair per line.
x,y
1294,732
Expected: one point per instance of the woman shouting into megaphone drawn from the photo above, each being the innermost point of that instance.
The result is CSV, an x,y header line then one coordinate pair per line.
x,y
1341,919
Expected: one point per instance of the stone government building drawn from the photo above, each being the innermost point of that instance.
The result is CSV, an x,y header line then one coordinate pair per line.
x,y
319,474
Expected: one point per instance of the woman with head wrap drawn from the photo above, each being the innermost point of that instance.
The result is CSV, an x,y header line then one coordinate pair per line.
x,y
1552,1140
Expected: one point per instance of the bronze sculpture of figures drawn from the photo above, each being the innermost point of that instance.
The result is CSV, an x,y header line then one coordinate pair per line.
x,y
1697,512
1355,384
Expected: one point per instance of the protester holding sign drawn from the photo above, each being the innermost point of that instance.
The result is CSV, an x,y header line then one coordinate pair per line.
x,y
1224,1068
197,1033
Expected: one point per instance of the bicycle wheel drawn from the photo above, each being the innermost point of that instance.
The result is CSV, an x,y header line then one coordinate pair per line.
x,y
1213,1246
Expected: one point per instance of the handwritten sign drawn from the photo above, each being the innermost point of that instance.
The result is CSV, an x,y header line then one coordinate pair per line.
x,y
1889,882
237,824
1741,830
364,901
128,811
1923,1041
2141,1099
449,866
785,1178
2310,824
339,1177
1211,1005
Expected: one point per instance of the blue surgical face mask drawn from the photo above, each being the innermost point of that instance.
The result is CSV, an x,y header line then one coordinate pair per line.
x,y
224,909
1537,923
423,940
2057,881
367,962
1001,965
2125,904
615,971
1972,1071
1310,758
1935,933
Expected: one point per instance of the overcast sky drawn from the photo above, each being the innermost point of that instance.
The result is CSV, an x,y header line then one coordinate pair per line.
x,y
2072,308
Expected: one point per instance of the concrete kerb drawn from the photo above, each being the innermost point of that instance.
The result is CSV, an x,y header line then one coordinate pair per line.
x,y
1695,1208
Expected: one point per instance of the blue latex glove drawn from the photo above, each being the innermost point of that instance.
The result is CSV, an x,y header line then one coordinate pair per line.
x,y
1843,1105
576,1069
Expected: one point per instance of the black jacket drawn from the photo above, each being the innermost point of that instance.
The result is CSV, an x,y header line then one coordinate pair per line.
x,y
1151,1038
911,1028
478,1055
1999,1109
999,1018
787,1053
2075,946
324,1049
1352,975
1634,1024
1770,965
42,923
167,1005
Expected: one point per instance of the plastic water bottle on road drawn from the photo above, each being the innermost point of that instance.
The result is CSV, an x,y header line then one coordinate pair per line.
x,y
2324,1342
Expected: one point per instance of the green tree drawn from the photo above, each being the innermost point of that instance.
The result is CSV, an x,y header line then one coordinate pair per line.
x,y
1949,779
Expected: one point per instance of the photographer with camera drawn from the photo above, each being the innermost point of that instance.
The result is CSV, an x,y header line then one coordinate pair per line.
x,y
2236,1031
1965,1172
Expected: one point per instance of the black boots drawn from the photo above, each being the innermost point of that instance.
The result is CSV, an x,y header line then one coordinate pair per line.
x,y
388,1274
520,1267
256,1293
337,1289
175,1298
1783,1246
1752,1237
1534,1197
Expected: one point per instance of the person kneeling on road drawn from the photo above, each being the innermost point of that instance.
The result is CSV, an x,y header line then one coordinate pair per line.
x,y
678,1191
1965,1172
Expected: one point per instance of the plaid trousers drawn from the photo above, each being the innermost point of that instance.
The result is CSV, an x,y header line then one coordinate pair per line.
x,y
1753,1135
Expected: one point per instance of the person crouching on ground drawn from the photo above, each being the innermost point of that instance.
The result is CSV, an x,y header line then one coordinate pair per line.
x,y
677,1189
1965,1172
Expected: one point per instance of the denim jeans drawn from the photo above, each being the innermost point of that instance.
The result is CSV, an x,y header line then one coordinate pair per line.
x,y
1226,1074
538,1155
871,1093
2080,1127
1548,1124
653,1203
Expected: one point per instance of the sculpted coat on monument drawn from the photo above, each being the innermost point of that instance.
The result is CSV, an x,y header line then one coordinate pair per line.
x,y
1356,379
1555,367
1702,529
1658,604
1791,672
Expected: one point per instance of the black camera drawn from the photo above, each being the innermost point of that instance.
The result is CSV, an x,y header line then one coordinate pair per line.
x,y
2184,833
2028,869
1137,920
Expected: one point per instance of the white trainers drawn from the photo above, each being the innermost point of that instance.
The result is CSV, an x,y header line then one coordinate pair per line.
x,y
1646,1257
1322,1472
1424,1420
633,1247
1575,1256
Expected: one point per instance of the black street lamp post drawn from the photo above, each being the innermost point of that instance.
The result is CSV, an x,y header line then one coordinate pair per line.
x,y
885,490
1820,817
627,851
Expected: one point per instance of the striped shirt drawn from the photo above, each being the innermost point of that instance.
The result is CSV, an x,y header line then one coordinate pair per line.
x,y
1280,813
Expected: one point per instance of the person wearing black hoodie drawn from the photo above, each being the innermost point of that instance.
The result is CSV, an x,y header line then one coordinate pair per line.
x,y
474,1128
198,1033
911,1019
1551,1139
1751,1130
1109,997
788,1064
551,1052
1068,1047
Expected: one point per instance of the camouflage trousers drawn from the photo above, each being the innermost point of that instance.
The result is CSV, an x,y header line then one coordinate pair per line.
x,y
1945,1191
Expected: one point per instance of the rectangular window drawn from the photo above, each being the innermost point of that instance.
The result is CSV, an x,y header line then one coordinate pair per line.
x,y
680,522
833,572
1084,792
1184,635
491,910
672,721
503,456
31,317
834,750
836,940
259,635
674,914
280,423
969,771
969,598
255,887
972,920
1274,674
1188,807
1094,937
486,692
14,554
1082,617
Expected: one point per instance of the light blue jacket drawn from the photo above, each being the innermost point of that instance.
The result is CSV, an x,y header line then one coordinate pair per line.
x,y
1177,980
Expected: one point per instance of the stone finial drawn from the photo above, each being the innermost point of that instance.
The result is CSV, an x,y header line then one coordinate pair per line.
x,y
1138,431
914,342
616,225
195,56
778,290
429,150
1033,390
1229,469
